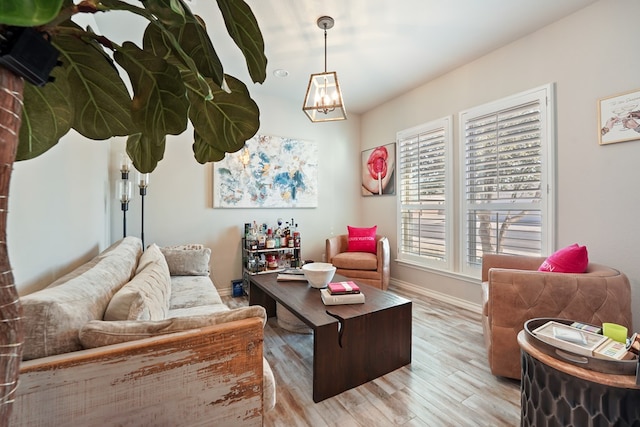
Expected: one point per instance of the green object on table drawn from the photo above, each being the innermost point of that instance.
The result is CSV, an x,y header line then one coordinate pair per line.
x,y
615,332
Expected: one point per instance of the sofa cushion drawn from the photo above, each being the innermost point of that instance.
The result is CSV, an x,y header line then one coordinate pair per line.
x,y
99,333
192,291
147,295
362,239
53,316
355,261
187,260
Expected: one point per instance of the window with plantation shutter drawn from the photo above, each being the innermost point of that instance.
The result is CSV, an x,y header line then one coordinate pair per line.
x,y
424,194
507,166
502,201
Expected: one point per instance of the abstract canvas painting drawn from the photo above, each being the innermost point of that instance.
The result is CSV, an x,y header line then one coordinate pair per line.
x,y
269,172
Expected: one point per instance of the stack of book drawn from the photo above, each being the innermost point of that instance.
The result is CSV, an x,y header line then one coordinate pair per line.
x,y
337,293
579,340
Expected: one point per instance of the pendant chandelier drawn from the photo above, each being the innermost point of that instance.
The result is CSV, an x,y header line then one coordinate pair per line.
x,y
323,101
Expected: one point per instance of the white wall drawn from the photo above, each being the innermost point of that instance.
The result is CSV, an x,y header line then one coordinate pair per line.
x,y
178,206
58,211
589,55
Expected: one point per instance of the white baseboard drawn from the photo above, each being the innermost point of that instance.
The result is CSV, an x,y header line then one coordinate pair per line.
x,y
458,302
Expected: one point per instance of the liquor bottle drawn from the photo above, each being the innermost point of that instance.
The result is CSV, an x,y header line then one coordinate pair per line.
x,y
253,237
296,237
247,235
276,237
262,241
290,237
270,243
272,262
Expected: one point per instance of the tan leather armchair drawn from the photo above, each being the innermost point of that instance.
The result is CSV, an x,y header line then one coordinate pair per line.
x,y
513,291
368,268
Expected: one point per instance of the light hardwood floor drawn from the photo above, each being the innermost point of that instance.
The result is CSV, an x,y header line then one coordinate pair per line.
x,y
448,382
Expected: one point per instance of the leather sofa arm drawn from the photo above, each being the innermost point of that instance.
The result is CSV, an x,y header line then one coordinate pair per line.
x,y
335,245
383,255
515,296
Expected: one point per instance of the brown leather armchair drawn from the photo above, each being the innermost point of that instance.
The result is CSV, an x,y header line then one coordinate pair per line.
x,y
513,291
368,268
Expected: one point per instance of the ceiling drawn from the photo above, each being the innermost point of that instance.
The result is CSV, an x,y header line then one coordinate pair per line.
x,y
379,48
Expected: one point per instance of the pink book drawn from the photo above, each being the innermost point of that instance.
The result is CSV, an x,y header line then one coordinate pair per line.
x,y
337,288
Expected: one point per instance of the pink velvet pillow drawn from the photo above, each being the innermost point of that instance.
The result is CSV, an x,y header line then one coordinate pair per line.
x,y
572,259
362,239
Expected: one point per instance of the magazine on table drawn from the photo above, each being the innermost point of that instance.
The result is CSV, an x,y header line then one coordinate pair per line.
x,y
283,277
296,271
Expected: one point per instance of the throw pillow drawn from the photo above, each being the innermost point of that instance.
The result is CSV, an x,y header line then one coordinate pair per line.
x,y
187,247
151,255
362,239
98,333
187,261
145,297
572,259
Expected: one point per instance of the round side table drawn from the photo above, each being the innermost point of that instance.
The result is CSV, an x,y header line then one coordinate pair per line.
x,y
557,393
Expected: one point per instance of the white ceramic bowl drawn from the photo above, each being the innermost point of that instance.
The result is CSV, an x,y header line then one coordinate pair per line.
x,y
319,274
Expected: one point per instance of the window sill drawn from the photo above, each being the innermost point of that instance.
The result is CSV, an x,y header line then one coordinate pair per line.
x,y
451,274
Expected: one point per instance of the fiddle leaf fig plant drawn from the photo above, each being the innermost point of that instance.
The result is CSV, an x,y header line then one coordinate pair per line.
x,y
175,77
174,72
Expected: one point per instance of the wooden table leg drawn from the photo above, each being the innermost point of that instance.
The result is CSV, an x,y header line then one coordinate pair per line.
x,y
259,297
354,351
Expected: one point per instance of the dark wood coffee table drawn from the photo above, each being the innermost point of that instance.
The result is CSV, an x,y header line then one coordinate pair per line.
x,y
352,344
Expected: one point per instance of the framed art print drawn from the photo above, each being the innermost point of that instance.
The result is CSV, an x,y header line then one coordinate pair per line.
x,y
378,170
619,118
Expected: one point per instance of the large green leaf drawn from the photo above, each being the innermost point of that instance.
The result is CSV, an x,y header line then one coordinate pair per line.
x,y
160,105
46,116
28,13
192,38
243,29
101,102
145,152
224,123
169,12
204,152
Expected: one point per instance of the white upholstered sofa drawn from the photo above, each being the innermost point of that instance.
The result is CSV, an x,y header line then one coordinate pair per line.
x,y
141,338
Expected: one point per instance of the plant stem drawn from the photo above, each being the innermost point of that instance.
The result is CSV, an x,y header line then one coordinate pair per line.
x,y
11,331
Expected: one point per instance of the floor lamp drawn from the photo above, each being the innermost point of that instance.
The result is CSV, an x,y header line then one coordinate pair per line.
x,y
124,191
143,183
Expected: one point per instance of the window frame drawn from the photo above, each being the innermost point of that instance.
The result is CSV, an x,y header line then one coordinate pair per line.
x,y
456,206
445,125
545,95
